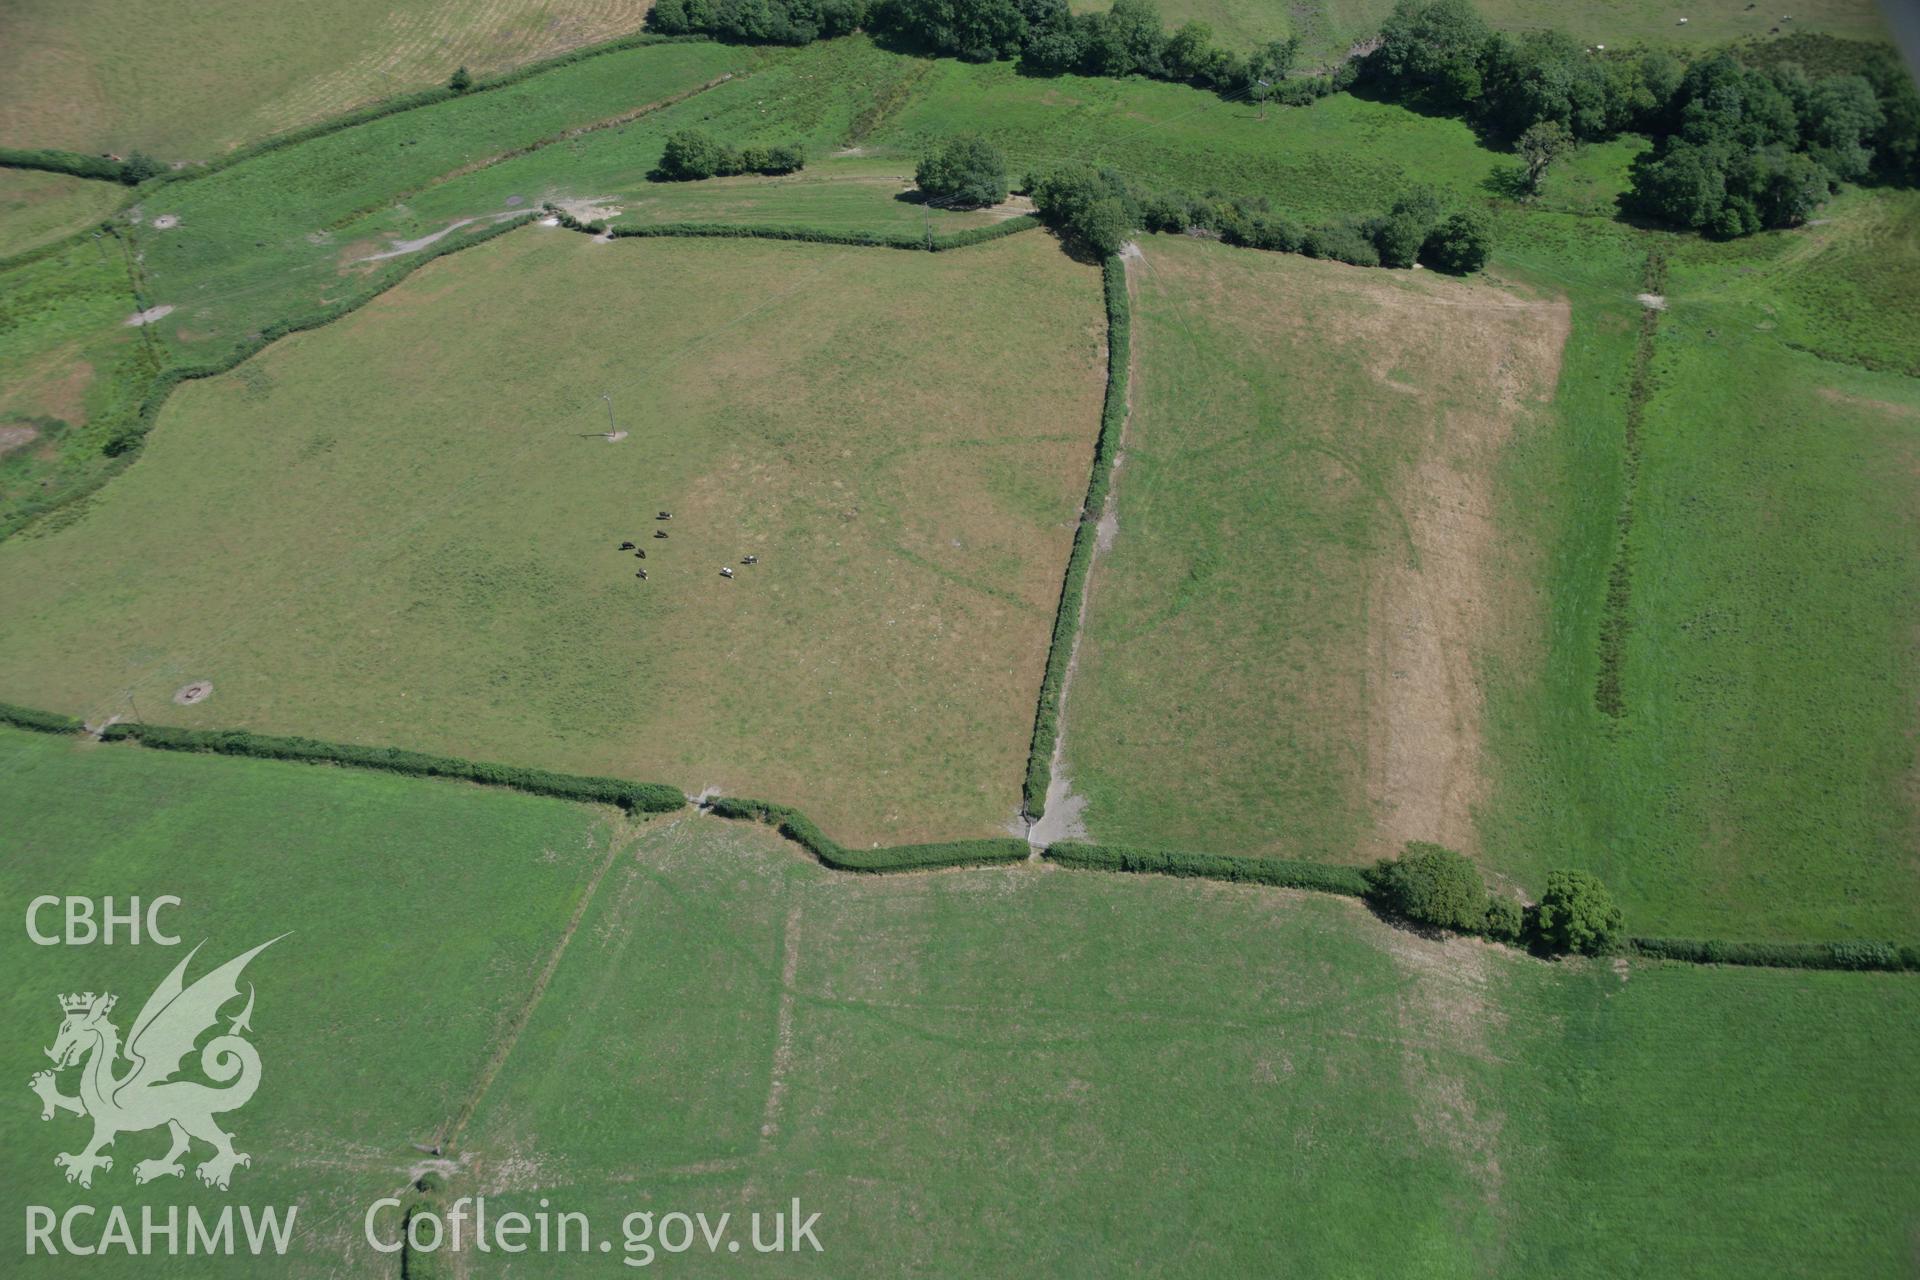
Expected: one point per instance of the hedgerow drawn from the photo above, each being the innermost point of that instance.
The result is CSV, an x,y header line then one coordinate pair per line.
x,y
1099,209
1320,876
635,797
74,163
800,829
693,155
421,98
37,720
644,797
926,241
1048,38
1884,956
1066,620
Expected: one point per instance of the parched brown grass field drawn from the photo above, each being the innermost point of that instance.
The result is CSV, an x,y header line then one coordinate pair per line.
x,y
187,81
403,528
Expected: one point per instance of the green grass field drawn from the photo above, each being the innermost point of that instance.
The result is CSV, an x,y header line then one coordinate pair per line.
x,y
38,208
1339,157
1758,784
186,83
420,917
978,1070
1353,593
1329,28
420,490
1256,608
853,193
73,368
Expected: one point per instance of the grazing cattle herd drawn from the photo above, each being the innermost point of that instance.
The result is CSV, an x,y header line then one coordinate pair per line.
x,y
628,544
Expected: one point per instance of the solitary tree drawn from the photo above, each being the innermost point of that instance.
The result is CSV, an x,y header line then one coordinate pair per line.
x,y
1539,146
1577,913
964,173
1460,244
1433,885
460,81
1404,231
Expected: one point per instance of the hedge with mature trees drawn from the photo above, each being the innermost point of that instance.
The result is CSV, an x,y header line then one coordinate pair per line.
x,y
1743,141
1738,146
132,171
1098,209
1046,36
692,154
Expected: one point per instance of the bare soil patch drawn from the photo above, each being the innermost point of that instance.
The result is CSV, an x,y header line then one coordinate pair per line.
x,y
188,694
1441,600
1891,408
12,438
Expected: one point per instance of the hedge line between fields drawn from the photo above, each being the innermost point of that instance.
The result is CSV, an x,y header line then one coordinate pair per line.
x,y
1066,622
635,797
800,829
74,164
1884,956
927,241
1322,877
37,720
646,797
414,101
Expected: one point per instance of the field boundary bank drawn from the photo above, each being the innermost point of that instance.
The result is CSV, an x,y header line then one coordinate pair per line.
x,y
126,440
926,241
618,842
48,160
1073,586
1616,618
375,110
639,797
540,144
634,797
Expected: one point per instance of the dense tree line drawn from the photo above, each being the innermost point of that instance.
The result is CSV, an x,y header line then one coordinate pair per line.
x,y
1432,885
133,170
1099,209
1738,147
692,154
1044,35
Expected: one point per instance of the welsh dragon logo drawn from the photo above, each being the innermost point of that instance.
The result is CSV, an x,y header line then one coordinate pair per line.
x,y
145,1095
